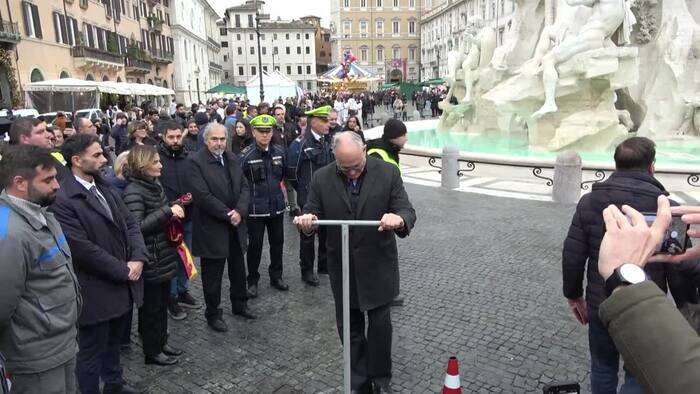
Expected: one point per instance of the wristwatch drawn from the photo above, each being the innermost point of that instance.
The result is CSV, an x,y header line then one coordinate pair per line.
x,y
624,275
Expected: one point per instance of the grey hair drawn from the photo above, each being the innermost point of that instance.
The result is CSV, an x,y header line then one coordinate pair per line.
x,y
210,127
347,137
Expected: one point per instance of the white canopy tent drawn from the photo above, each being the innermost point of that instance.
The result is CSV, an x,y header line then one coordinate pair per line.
x,y
71,94
274,84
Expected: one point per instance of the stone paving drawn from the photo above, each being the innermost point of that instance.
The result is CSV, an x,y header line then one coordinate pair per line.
x,y
482,281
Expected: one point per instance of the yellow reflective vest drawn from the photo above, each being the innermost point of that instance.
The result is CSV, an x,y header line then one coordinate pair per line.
x,y
385,156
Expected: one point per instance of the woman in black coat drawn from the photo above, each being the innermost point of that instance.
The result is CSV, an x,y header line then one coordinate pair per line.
x,y
241,137
145,198
353,124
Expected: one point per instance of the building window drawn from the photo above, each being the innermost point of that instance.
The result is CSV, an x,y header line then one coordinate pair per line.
x,y
289,70
308,85
36,76
250,20
225,74
286,36
64,75
411,4
264,50
32,23
308,50
224,44
306,36
308,70
380,55
253,70
395,27
265,68
287,50
363,29
274,36
363,54
225,58
299,70
240,50
412,28
346,3
222,31
379,3
396,53
238,37
380,28
298,36
347,28
396,3
363,3
238,20
298,50
412,54
241,71
252,50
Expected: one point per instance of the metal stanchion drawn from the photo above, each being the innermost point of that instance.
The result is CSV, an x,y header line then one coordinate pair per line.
x,y
345,236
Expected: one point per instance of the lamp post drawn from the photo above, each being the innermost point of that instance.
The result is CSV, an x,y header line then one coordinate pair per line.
x,y
257,32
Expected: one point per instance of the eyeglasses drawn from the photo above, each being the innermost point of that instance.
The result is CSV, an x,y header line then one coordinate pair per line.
x,y
356,168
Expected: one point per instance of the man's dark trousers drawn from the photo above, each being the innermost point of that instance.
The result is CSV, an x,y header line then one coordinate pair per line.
x,y
307,251
98,356
370,352
275,236
213,272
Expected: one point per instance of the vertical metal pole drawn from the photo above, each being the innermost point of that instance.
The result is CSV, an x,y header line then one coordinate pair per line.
x,y
346,306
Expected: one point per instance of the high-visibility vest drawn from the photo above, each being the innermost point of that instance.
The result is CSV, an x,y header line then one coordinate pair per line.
x,y
59,157
385,156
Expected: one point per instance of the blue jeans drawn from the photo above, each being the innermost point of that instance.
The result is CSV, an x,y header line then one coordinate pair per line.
x,y
180,283
605,360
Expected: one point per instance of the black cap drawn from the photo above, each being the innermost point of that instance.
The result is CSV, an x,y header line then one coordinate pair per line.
x,y
394,128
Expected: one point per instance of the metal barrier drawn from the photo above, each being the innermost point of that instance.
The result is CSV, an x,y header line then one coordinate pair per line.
x,y
345,237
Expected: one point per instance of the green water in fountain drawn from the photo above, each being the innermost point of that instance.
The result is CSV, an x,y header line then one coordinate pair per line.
x,y
676,152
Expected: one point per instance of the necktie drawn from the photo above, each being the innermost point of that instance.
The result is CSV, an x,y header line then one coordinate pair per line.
x,y
221,159
102,201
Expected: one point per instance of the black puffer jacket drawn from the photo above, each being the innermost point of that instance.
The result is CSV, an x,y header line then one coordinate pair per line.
x,y
636,189
147,202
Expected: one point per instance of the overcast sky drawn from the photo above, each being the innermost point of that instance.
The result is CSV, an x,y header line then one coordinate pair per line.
x,y
286,9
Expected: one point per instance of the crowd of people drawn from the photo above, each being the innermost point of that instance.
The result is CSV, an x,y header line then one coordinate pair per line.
x,y
117,211
100,220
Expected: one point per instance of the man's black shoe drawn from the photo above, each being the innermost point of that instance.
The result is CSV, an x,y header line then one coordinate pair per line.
x,y
383,387
161,359
171,351
310,279
398,301
186,300
245,313
122,389
218,325
279,284
252,291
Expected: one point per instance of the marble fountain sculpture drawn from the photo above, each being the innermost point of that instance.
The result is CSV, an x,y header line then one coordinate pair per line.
x,y
579,74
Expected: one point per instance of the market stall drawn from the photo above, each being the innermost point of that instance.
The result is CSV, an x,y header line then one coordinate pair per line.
x,y
275,85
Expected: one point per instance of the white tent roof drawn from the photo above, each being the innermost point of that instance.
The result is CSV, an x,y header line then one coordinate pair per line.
x,y
79,85
271,79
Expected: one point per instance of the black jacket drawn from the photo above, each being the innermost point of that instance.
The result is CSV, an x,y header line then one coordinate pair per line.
x,y
101,248
213,199
373,254
265,172
120,135
636,189
284,135
305,156
387,146
174,171
148,204
191,142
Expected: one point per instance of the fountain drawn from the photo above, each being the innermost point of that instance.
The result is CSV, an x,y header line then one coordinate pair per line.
x,y
575,77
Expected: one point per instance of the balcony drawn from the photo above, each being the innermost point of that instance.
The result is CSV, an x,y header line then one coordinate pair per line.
x,y
161,56
9,33
216,67
87,57
136,66
155,25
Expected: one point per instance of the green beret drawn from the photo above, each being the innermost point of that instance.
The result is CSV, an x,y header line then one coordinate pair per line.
x,y
320,112
263,122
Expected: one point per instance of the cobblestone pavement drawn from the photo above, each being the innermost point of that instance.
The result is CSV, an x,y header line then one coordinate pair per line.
x,y
481,276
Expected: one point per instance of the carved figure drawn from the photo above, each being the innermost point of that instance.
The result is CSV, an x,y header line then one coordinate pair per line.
x,y
607,16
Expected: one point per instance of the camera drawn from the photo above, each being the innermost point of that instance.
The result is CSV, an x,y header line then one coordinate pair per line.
x,y
676,236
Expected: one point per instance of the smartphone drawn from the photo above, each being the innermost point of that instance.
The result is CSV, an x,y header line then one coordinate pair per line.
x,y
676,236
566,388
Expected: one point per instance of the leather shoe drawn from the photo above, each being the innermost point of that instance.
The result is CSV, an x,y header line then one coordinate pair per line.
x,y
310,279
252,291
160,359
245,313
218,325
122,389
171,351
279,284
397,301
383,387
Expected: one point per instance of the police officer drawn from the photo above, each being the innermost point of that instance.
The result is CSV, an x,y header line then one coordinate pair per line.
x,y
307,154
263,164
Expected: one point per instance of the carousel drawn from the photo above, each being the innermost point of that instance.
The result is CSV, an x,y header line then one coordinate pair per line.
x,y
347,77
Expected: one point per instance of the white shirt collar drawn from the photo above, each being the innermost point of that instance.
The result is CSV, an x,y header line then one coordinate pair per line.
x,y
87,185
316,135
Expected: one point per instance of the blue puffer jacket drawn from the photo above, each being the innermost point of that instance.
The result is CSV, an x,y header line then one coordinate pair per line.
x,y
265,172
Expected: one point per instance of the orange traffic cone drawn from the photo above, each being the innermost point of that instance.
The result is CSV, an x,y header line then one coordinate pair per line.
x,y
452,384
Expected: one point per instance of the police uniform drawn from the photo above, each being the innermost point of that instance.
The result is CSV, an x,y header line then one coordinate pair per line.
x,y
306,155
264,170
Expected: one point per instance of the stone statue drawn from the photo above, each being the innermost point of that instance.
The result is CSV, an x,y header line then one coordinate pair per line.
x,y
607,16
470,65
691,119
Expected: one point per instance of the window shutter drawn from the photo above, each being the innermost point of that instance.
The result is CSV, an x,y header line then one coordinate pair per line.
x,y
37,21
56,27
64,30
27,19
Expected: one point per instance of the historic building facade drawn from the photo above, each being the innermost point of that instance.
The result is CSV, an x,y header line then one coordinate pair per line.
x,y
323,44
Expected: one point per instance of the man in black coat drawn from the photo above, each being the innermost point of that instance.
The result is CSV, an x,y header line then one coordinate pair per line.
x,y
632,184
357,187
221,198
108,255
173,157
